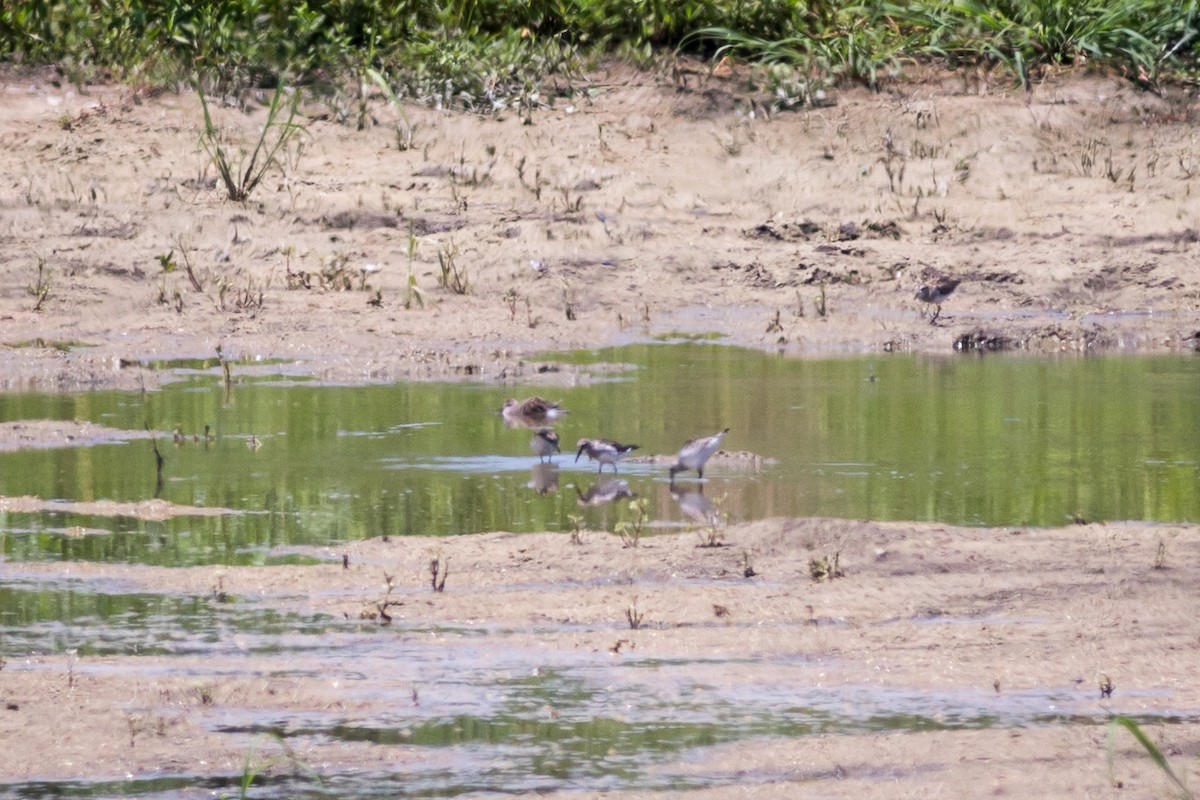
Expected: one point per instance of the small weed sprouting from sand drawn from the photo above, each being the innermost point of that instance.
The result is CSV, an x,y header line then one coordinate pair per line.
x,y
206,694
894,164
576,521
187,265
452,275
634,616
630,531
826,568
40,288
712,533
747,565
242,176
510,299
570,205
380,607
539,183
439,569
412,292
1152,750
570,300
1160,555
822,306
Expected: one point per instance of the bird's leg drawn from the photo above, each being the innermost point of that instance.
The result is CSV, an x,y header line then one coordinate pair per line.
x,y
937,310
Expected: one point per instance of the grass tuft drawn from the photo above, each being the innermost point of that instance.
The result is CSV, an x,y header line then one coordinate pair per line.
x,y
242,174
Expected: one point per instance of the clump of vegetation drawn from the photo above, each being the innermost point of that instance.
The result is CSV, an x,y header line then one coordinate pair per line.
x,y
825,568
633,616
453,275
496,55
40,288
379,609
242,174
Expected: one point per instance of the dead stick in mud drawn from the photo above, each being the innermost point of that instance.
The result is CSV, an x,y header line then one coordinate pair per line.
x,y
158,464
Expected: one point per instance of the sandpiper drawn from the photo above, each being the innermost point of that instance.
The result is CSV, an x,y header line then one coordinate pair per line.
x,y
544,443
535,411
696,452
936,294
606,451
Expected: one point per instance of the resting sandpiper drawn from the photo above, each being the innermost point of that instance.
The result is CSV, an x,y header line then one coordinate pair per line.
x,y
544,443
533,412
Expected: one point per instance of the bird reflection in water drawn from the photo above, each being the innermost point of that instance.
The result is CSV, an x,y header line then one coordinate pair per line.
x,y
695,505
544,478
603,492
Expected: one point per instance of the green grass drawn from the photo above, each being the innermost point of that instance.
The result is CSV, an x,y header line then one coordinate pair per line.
x,y
494,54
1156,755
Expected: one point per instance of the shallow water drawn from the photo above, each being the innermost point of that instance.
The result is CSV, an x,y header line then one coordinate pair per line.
x,y
467,712
973,441
994,441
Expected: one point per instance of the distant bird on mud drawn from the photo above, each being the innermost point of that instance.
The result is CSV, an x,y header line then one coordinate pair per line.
x,y
696,452
606,451
936,293
530,413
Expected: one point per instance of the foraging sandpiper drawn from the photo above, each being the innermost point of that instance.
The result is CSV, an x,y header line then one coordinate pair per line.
x,y
606,451
696,452
935,294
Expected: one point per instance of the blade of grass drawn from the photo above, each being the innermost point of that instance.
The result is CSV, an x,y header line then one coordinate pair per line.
x,y
1151,749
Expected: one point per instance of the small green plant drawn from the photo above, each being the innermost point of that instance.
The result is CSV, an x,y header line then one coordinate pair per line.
x,y
826,568
40,288
630,531
1152,750
241,175
412,292
576,521
712,534
633,616
1160,555
510,299
452,276
379,609
570,300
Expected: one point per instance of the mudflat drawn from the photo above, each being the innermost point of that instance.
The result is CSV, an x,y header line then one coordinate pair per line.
x,y
444,246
